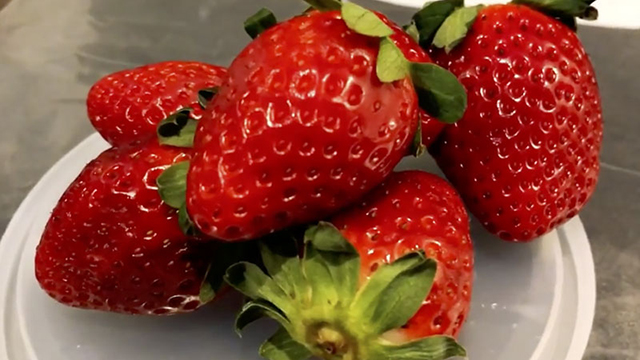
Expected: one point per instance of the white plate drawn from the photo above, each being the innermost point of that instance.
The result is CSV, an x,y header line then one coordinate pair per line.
x,y
522,294
612,13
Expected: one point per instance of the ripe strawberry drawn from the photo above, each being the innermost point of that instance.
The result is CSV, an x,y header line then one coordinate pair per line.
x,y
112,244
363,289
411,211
525,157
303,127
126,106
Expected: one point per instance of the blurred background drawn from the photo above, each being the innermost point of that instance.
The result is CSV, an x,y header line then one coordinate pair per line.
x,y
51,52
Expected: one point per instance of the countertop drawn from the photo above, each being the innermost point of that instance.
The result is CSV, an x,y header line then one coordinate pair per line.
x,y
51,52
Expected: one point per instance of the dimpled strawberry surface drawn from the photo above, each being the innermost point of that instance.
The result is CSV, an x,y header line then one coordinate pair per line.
x,y
301,128
126,106
412,211
112,244
525,157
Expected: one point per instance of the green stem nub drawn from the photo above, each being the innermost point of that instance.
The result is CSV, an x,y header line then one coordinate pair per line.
x,y
324,310
257,23
325,5
331,342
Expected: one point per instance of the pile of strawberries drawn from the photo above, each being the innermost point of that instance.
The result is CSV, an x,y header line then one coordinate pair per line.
x,y
275,176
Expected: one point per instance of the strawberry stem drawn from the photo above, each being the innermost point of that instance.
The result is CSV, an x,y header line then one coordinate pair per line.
x,y
257,23
429,19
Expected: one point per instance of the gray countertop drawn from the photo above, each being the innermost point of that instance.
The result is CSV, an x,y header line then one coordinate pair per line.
x,y
51,51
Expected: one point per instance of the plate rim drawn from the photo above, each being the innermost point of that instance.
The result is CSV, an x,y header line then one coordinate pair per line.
x,y
18,227
603,23
21,225
584,267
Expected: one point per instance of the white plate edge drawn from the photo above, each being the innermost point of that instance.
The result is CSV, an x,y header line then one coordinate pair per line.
x,y
17,224
586,285
554,314
619,23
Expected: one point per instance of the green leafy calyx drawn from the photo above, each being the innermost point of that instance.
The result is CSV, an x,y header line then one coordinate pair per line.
x,y
440,93
257,23
455,27
172,188
325,5
364,21
391,64
323,308
563,9
172,184
178,129
429,19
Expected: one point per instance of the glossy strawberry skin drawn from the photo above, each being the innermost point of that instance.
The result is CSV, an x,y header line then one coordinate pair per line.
x,y
525,157
411,211
126,106
302,128
430,127
112,244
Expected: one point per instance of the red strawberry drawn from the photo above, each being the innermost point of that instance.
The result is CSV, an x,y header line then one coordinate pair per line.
x,y
302,127
112,244
525,157
126,106
410,211
363,290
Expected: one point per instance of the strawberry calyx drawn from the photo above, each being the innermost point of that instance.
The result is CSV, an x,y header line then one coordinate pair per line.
x,y
581,9
429,19
172,187
257,23
177,129
439,92
445,23
364,21
412,30
206,95
325,5
455,27
324,309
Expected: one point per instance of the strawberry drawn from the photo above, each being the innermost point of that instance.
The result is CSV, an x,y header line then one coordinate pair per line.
x,y
390,279
525,156
112,244
315,112
127,106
